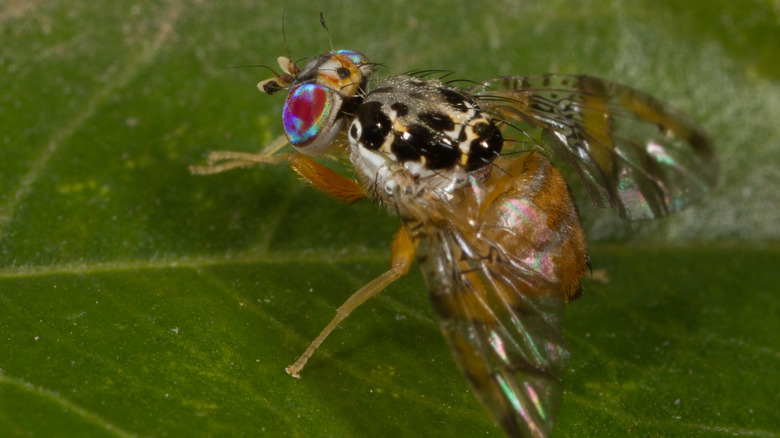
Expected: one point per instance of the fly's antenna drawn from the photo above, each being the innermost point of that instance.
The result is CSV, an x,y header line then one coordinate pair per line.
x,y
322,22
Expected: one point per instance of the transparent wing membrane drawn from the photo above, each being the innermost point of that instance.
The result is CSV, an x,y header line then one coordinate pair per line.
x,y
511,350
499,271
632,151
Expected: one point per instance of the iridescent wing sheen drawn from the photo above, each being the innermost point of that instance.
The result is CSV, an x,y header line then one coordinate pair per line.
x,y
499,281
632,151
513,356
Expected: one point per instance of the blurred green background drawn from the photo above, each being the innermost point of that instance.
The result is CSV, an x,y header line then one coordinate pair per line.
x,y
139,300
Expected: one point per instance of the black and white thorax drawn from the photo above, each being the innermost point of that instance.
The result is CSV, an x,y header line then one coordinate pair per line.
x,y
421,131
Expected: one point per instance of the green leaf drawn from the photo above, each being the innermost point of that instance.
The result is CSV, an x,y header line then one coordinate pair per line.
x,y
139,300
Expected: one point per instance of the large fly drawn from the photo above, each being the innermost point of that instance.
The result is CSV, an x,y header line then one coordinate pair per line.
x,y
490,220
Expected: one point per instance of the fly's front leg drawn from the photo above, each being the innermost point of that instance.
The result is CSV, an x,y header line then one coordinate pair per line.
x,y
325,179
403,255
321,177
220,161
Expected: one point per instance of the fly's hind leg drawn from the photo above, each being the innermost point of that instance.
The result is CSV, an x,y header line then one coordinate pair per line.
x,y
403,255
220,161
334,184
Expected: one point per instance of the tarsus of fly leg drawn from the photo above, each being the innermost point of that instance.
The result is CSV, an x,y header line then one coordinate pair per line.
x,y
220,161
361,296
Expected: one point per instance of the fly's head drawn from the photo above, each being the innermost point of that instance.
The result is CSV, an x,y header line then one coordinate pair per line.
x,y
318,95
412,136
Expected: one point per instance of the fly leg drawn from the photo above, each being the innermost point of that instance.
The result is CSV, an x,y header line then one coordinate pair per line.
x,y
403,255
324,179
220,161
321,177
334,184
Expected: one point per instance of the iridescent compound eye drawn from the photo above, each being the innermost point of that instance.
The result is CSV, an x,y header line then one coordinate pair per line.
x,y
310,117
358,58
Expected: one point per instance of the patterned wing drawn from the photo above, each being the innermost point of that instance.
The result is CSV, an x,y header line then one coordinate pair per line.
x,y
632,151
499,286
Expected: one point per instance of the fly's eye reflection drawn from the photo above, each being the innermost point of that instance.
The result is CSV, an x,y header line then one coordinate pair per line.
x,y
489,218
